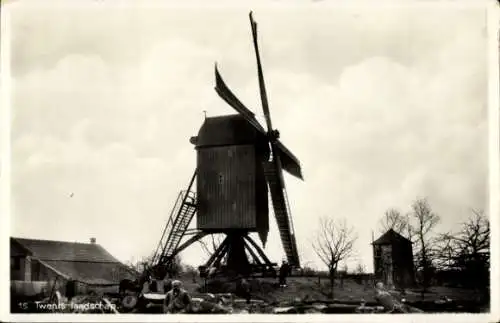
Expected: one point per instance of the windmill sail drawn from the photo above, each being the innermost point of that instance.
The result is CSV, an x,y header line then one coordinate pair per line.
x,y
274,169
225,93
282,157
262,85
290,163
282,214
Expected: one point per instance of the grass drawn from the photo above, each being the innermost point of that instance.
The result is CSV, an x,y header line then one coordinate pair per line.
x,y
310,289
307,290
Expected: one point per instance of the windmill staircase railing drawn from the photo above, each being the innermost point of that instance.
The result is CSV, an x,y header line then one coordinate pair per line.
x,y
178,222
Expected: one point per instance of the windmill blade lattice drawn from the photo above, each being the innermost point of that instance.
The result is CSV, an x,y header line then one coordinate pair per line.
x,y
274,169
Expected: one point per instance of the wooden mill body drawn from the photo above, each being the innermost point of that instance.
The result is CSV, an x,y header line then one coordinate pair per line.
x,y
231,186
393,260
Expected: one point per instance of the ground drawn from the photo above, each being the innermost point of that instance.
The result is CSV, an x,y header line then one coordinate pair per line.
x,y
302,295
312,289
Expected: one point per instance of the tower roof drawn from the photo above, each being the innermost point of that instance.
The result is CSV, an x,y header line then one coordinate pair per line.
x,y
390,237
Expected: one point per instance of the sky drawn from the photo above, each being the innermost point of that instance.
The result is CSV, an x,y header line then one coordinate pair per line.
x,y
382,105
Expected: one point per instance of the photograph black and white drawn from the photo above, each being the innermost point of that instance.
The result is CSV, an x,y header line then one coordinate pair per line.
x,y
311,158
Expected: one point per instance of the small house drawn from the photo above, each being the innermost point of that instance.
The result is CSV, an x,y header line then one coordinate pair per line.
x,y
85,265
393,260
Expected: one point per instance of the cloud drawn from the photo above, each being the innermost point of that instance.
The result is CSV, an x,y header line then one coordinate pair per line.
x,y
380,107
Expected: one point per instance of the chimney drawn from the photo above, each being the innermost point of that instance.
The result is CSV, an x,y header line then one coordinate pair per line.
x,y
92,240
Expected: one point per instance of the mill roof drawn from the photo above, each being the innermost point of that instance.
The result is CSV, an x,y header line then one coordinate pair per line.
x,y
230,129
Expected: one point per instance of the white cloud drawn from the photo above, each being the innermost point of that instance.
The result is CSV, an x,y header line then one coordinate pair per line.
x,y
378,110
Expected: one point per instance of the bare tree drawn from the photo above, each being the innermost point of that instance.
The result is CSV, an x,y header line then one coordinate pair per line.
x,y
210,246
142,265
393,219
445,250
474,238
333,244
468,251
149,267
132,264
424,222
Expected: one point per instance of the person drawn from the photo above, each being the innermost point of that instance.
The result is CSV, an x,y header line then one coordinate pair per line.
x,y
167,285
146,285
153,285
283,273
245,289
70,289
177,299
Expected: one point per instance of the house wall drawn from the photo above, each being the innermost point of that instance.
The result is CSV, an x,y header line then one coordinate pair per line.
x,y
32,271
40,272
387,264
20,268
27,268
16,268
33,278
393,264
383,266
377,266
17,262
403,264
24,268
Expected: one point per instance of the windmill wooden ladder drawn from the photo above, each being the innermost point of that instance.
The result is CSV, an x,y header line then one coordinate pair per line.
x,y
180,217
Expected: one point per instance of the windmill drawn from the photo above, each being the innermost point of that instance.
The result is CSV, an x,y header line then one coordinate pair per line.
x,y
239,162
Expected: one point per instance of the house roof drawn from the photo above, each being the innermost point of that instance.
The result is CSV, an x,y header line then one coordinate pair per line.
x,y
65,251
390,237
88,263
92,273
